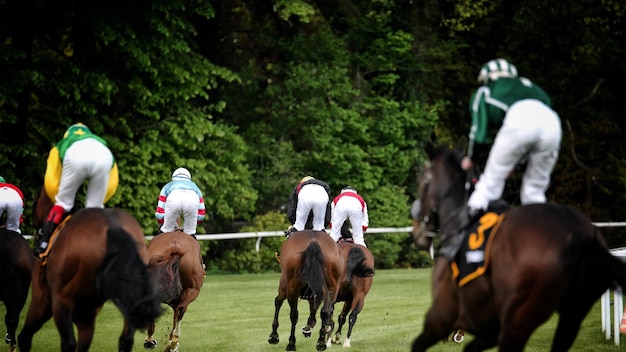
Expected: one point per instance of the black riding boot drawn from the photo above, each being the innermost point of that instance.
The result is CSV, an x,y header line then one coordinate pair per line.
x,y
452,244
46,233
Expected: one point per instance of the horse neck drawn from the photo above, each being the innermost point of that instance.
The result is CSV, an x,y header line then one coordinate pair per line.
x,y
451,198
41,208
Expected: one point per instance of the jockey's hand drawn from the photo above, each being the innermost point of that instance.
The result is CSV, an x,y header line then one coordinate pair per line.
x,y
467,163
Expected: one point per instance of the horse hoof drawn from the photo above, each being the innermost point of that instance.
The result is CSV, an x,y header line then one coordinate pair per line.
x,y
321,346
149,345
290,348
458,338
273,340
306,331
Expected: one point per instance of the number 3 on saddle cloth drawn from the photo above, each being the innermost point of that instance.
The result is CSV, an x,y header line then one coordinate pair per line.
x,y
472,259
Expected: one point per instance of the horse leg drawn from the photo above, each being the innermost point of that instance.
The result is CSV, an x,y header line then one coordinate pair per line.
x,y
293,316
357,306
126,340
274,339
150,342
39,311
444,310
311,321
571,316
341,321
11,319
85,320
327,320
62,309
172,346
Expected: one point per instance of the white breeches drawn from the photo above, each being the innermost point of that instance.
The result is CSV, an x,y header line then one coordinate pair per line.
x,y
181,203
90,160
530,128
348,208
314,198
12,204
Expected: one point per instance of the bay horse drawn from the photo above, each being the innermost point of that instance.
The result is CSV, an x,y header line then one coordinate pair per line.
x,y
541,259
97,255
16,264
175,263
312,268
359,278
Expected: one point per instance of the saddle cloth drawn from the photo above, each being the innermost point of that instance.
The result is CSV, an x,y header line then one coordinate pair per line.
x,y
472,259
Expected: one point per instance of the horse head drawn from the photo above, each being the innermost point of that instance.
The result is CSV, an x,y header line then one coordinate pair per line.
x,y
441,187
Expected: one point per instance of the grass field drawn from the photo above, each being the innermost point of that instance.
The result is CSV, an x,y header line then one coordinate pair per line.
x,y
235,312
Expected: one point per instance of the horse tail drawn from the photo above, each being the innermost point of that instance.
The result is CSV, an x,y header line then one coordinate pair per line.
x,y
312,270
357,265
606,263
124,279
164,270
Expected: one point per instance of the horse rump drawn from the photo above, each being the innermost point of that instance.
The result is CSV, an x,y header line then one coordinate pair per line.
x,y
124,279
356,264
165,272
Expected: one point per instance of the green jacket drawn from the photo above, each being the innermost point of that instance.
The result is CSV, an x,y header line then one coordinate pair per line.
x,y
490,103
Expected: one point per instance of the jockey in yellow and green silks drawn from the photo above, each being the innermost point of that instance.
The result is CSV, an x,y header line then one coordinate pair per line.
x,y
79,156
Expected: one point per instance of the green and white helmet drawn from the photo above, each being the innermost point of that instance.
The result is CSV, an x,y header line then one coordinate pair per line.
x,y
495,69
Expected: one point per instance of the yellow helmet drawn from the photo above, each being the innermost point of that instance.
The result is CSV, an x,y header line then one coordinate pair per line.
x,y
306,178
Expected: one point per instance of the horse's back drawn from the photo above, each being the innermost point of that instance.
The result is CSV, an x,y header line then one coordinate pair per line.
x,y
537,248
82,243
542,235
300,240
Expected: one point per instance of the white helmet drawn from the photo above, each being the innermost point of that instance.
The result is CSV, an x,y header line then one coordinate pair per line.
x,y
495,69
181,172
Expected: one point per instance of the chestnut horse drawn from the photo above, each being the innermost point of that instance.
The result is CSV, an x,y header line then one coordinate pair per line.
x,y
543,258
312,268
176,265
359,277
16,264
97,255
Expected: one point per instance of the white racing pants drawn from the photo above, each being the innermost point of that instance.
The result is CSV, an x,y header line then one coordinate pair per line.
x,y
181,203
530,128
90,160
13,205
314,198
348,208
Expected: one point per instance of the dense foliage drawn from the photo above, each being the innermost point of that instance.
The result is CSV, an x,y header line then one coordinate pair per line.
x,y
251,96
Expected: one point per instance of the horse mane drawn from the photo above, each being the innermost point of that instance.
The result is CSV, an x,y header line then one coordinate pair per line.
x,y
452,156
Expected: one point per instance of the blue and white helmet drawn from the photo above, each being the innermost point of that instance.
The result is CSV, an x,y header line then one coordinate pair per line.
x,y
181,172
495,69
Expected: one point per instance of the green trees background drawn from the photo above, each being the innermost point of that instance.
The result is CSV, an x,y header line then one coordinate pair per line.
x,y
252,95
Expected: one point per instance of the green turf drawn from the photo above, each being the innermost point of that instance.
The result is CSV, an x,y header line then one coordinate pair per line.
x,y
235,312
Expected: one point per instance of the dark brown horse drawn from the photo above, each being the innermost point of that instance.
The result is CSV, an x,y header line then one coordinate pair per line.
x,y
16,264
312,268
359,278
176,265
98,254
543,258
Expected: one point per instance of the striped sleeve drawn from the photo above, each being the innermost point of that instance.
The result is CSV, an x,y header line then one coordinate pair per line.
x,y
160,210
